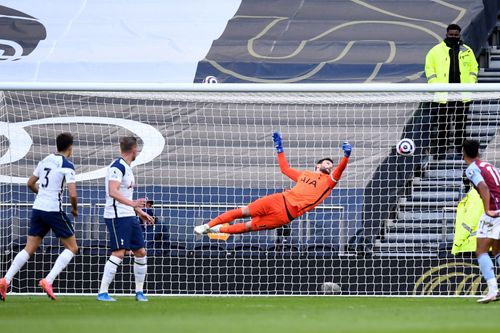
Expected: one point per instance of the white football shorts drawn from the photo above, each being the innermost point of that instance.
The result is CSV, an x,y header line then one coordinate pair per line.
x,y
489,227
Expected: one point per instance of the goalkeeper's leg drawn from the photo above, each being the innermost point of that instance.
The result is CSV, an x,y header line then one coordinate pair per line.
x,y
229,216
267,213
260,207
272,206
257,223
226,217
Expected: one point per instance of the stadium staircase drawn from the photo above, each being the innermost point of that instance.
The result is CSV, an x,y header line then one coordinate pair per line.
x,y
424,219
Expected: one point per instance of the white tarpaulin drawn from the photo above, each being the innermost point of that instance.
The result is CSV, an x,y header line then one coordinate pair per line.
x,y
108,40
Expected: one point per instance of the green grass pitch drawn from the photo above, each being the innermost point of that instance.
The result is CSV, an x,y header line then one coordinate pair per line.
x,y
38,314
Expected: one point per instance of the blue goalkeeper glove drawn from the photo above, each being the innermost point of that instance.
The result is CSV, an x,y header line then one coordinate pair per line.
x,y
347,148
277,142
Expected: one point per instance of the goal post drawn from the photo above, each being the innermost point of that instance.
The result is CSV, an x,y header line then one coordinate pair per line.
x,y
386,229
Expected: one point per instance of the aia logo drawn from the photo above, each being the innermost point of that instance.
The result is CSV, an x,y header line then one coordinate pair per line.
x,y
19,34
308,181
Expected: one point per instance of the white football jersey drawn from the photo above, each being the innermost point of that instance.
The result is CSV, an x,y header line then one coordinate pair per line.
x,y
53,172
119,171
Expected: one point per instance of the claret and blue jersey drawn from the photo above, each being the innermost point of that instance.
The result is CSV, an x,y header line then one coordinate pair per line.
x,y
481,171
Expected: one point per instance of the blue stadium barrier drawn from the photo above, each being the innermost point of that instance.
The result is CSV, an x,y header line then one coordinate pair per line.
x,y
180,209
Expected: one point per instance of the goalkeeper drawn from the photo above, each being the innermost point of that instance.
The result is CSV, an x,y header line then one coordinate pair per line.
x,y
276,210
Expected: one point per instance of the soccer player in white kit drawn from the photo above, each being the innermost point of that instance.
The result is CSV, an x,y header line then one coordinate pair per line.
x,y
48,182
120,215
486,179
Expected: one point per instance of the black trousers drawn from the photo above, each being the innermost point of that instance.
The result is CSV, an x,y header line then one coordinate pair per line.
x,y
450,123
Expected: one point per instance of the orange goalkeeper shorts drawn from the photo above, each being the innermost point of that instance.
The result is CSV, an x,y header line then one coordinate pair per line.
x,y
271,212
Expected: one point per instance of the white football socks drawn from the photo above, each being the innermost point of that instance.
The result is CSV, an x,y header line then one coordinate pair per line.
x,y
109,273
18,262
492,286
60,264
140,269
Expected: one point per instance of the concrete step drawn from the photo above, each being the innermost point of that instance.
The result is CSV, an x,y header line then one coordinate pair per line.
x,y
446,164
438,190
406,204
489,72
421,248
423,182
488,107
486,79
418,228
476,131
426,216
445,174
495,51
492,118
455,188
406,255
410,238
436,196
494,61
483,123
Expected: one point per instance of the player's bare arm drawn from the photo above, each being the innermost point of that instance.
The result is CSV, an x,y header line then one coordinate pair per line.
x,y
32,184
484,192
73,198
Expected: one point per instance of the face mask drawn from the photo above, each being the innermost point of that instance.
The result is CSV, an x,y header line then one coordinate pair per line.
x,y
452,40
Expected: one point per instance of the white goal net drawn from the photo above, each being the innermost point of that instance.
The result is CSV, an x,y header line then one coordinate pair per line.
x,y
386,229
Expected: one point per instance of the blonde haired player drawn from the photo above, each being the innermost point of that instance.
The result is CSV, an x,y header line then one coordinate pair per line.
x,y
120,215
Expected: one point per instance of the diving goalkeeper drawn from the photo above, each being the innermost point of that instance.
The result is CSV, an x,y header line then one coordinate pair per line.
x,y
276,210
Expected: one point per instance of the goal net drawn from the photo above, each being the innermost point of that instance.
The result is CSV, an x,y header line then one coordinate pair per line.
x,y
386,229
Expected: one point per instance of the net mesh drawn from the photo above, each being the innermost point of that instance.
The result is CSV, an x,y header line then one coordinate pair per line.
x,y
383,230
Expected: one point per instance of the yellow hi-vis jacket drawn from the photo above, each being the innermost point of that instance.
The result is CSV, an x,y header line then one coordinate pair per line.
x,y
437,66
469,211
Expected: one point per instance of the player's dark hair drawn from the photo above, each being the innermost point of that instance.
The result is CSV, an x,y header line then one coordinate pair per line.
x,y
127,143
324,159
453,26
150,202
64,141
471,148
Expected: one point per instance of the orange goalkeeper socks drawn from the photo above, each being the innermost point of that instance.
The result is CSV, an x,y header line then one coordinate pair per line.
x,y
237,228
226,217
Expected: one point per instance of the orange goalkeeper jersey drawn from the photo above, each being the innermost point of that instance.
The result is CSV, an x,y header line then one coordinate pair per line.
x,y
312,188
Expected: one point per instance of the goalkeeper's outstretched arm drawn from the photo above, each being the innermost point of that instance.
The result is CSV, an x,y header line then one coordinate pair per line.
x,y
337,173
283,163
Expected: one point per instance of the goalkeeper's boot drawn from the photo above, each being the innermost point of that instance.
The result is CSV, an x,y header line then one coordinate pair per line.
x,y
490,297
201,229
104,297
3,289
140,297
47,287
215,229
